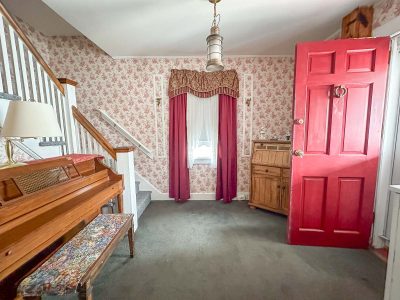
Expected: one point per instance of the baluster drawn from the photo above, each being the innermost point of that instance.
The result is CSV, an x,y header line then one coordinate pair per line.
x,y
96,147
32,76
21,49
61,116
78,136
6,63
89,142
15,61
83,139
40,82
52,97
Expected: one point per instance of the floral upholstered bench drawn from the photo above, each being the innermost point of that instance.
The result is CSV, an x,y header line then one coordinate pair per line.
x,y
75,265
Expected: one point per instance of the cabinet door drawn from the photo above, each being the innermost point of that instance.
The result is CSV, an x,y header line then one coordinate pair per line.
x,y
285,195
265,191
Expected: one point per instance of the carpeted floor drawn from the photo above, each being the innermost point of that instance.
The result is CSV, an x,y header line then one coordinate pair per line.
x,y
209,250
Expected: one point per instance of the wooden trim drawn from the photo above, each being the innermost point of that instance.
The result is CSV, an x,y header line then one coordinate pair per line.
x,y
94,132
124,149
67,81
30,46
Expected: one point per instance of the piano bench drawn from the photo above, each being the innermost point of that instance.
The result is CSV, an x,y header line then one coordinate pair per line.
x,y
75,265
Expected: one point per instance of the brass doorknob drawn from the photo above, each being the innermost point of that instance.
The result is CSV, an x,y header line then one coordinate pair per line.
x,y
298,152
299,121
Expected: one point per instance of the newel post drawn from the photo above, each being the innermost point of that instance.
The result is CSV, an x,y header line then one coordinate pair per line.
x,y
70,100
126,167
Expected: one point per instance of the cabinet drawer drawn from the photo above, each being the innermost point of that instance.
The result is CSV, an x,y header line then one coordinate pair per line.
x,y
286,173
264,170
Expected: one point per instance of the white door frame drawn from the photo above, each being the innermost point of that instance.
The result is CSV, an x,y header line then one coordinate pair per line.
x,y
389,133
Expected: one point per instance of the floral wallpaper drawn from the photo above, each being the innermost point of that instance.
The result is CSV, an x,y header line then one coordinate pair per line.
x,y
124,89
384,11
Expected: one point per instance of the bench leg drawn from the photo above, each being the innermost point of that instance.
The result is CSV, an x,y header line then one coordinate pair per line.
x,y
130,238
85,291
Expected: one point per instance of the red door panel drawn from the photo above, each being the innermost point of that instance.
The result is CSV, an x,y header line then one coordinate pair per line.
x,y
317,127
339,93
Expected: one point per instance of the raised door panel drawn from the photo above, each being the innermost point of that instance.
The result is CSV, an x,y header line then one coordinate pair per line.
x,y
318,108
356,118
313,202
265,191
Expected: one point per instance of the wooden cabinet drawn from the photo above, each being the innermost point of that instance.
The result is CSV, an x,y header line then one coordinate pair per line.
x,y
270,172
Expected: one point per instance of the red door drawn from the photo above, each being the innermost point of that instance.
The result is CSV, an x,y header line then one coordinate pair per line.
x,y
339,96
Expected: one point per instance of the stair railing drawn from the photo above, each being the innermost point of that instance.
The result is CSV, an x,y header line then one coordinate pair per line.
x,y
91,141
122,131
120,159
25,75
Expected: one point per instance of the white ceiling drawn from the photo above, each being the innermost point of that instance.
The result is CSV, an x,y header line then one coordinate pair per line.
x,y
40,16
180,27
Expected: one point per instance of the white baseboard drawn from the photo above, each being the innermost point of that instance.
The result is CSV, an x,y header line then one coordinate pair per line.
x,y
157,195
201,196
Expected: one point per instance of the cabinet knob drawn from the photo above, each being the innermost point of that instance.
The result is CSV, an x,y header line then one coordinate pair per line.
x,y
8,253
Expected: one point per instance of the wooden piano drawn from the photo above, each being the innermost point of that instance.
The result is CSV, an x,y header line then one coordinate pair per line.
x,y
43,205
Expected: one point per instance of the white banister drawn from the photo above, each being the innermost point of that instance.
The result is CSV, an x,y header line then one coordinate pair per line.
x,y
71,131
125,165
25,75
125,133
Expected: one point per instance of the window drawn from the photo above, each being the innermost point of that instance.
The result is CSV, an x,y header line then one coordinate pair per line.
x,y
202,130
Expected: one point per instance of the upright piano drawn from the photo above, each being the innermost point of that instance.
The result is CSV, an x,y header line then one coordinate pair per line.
x,y
43,205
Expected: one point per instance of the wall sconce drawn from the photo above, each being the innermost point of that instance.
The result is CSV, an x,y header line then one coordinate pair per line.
x,y
158,101
248,101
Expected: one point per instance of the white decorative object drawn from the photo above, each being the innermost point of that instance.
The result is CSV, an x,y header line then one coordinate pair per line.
x,y
263,133
202,129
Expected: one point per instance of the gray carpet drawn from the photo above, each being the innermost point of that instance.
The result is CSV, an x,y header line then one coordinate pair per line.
x,y
209,250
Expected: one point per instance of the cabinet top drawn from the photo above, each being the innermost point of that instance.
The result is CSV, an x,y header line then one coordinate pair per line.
x,y
272,141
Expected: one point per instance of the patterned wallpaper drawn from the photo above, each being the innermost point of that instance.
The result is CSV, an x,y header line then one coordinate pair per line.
x,y
124,88
384,11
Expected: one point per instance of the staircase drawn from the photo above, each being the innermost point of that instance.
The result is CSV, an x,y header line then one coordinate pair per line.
x,y
24,76
143,199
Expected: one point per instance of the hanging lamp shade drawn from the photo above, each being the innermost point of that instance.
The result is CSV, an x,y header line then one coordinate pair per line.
x,y
214,44
214,50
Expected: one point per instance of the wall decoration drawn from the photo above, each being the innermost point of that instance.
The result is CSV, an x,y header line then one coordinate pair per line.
x,y
159,120
247,113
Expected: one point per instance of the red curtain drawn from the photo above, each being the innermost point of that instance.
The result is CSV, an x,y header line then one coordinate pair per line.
x,y
178,170
227,149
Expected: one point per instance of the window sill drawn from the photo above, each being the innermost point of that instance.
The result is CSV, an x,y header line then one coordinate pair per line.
x,y
199,161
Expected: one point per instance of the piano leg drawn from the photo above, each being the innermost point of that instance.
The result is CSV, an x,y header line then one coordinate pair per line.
x,y
120,203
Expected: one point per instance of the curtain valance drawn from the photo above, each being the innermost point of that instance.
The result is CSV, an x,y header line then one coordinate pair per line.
x,y
203,84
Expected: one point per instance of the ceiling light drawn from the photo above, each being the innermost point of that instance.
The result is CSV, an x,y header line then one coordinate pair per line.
x,y
214,43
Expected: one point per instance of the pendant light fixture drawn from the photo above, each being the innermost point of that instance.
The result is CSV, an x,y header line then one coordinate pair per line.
x,y
214,43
